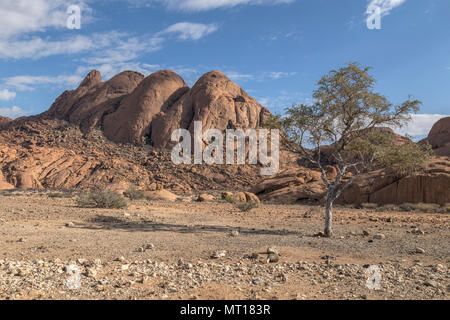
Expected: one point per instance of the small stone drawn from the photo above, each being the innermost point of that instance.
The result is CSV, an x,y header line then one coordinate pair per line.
x,y
234,233
257,281
218,254
70,225
420,250
379,236
430,283
140,249
319,234
21,240
149,246
273,250
273,258
91,272
253,256
120,259
365,233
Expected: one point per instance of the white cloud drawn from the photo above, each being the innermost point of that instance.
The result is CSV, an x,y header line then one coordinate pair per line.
x,y
279,75
420,125
203,5
27,82
236,76
190,31
386,6
26,16
5,94
13,112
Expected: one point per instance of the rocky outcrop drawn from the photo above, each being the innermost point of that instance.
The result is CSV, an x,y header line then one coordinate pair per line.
x,y
4,121
131,122
430,186
291,186
131,109
214,100
93,98
439,137
55,154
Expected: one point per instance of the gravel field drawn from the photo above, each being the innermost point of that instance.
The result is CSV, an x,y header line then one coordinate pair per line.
x,y
51,249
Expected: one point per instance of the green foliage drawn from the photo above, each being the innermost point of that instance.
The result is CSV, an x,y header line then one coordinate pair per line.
x,y
246,206
107,199
347,114
405,158
228,198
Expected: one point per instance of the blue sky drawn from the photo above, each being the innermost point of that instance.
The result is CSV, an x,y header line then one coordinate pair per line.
x,y
276,50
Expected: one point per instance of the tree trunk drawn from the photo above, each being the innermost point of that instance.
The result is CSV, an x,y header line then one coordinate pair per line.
x,y
328,232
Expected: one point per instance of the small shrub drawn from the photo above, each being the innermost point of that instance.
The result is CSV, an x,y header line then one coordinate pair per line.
x,y
134,194
427,207
407,207
446,207
6,193
228,199
368,205
246,206
108,199
59,195
388,207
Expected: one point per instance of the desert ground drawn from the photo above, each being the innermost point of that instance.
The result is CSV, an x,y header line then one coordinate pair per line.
x,y
212,250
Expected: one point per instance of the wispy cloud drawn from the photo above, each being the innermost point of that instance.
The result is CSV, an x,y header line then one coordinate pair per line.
x,y
27,82
420,125
5,94
385,6
13,112
279,75
190,31
204,5
25,16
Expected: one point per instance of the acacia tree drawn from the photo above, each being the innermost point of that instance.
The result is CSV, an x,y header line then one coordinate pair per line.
x,y
344,115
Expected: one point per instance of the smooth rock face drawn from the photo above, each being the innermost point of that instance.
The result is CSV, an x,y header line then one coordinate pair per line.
x,y
214,100
131,123
93,98
131,109
439,137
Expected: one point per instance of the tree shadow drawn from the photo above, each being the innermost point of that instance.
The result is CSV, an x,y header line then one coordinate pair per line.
x,y
108,223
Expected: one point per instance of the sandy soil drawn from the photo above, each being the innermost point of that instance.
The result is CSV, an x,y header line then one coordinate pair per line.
x,y
159,250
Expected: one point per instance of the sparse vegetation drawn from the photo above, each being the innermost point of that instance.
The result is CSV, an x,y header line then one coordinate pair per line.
x,y
246,206
59,195
368,205
228,198
134,194
346,115
107,199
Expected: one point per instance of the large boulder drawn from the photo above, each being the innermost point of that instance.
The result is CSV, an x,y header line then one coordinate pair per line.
x,y
132,121
214,100
4,121
439,137
77,106
291,186
428,186
4,185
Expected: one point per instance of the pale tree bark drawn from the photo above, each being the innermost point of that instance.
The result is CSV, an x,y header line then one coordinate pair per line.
x,y
328,231
334,191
